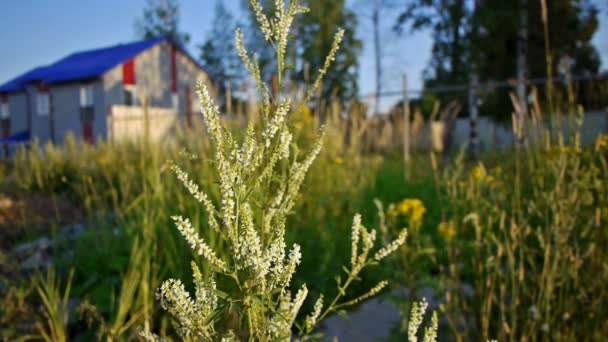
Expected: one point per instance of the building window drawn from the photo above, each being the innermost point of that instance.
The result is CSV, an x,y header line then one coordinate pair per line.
x,y
86,96
43,103
4,113
130,95
175,101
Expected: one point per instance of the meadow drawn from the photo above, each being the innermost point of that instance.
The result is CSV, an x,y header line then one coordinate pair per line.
x,y
512,242
524,231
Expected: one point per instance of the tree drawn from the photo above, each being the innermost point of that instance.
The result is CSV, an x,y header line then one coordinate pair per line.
x,y
218,53
161,18
315,32
448,20
255,39
481,36
376,11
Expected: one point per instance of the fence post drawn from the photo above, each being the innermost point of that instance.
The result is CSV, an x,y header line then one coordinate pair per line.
x,y
146,123
473,139
406,128
228,100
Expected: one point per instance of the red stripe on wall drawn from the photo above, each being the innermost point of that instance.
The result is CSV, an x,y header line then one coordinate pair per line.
x,y
128,72
173,69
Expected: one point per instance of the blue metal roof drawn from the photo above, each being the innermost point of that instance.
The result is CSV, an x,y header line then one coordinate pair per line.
x,y
81,65
18,138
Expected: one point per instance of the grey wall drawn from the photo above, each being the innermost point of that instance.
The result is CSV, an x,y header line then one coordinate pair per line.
x,y
153,80
100,126
188,74
18,110
112,86
153,75
66,110
40,124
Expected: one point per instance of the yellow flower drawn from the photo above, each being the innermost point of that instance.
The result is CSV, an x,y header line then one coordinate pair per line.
x,y
339,160
479,172
447,230
409,206
418,213
601,142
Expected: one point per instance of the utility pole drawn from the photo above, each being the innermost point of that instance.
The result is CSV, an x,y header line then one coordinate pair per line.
x,y
377,51
522,52
406,128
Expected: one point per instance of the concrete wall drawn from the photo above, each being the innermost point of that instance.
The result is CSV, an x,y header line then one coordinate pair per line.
x,y
383,134
127,123
493,135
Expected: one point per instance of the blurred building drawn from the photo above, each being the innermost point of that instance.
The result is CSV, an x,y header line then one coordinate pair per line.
x,y
81,92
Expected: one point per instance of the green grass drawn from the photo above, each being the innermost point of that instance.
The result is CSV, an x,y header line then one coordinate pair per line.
x,y
141,195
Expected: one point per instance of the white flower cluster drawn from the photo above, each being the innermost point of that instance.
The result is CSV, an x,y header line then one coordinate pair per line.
x,y
372,292
200,196
416,318
313,318
280,325
250,218
365,238
391,247
193,317
197,243
258,262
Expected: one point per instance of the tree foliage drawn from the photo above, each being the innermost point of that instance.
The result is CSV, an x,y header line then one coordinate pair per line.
x,y
161,18
218,53
314,34
482,36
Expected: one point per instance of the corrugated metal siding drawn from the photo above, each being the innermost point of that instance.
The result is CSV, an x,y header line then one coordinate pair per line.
x,y
188,75
153,74
112,86
66,107
40,124
18,110
66,110
153,79
100,127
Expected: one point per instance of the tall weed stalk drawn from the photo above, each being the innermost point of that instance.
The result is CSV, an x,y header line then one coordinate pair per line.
x,y
259,178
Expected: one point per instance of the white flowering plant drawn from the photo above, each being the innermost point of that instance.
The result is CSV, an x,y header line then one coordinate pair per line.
x,y
259,179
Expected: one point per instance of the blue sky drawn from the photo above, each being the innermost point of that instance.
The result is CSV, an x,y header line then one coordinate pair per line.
x,y
35,33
